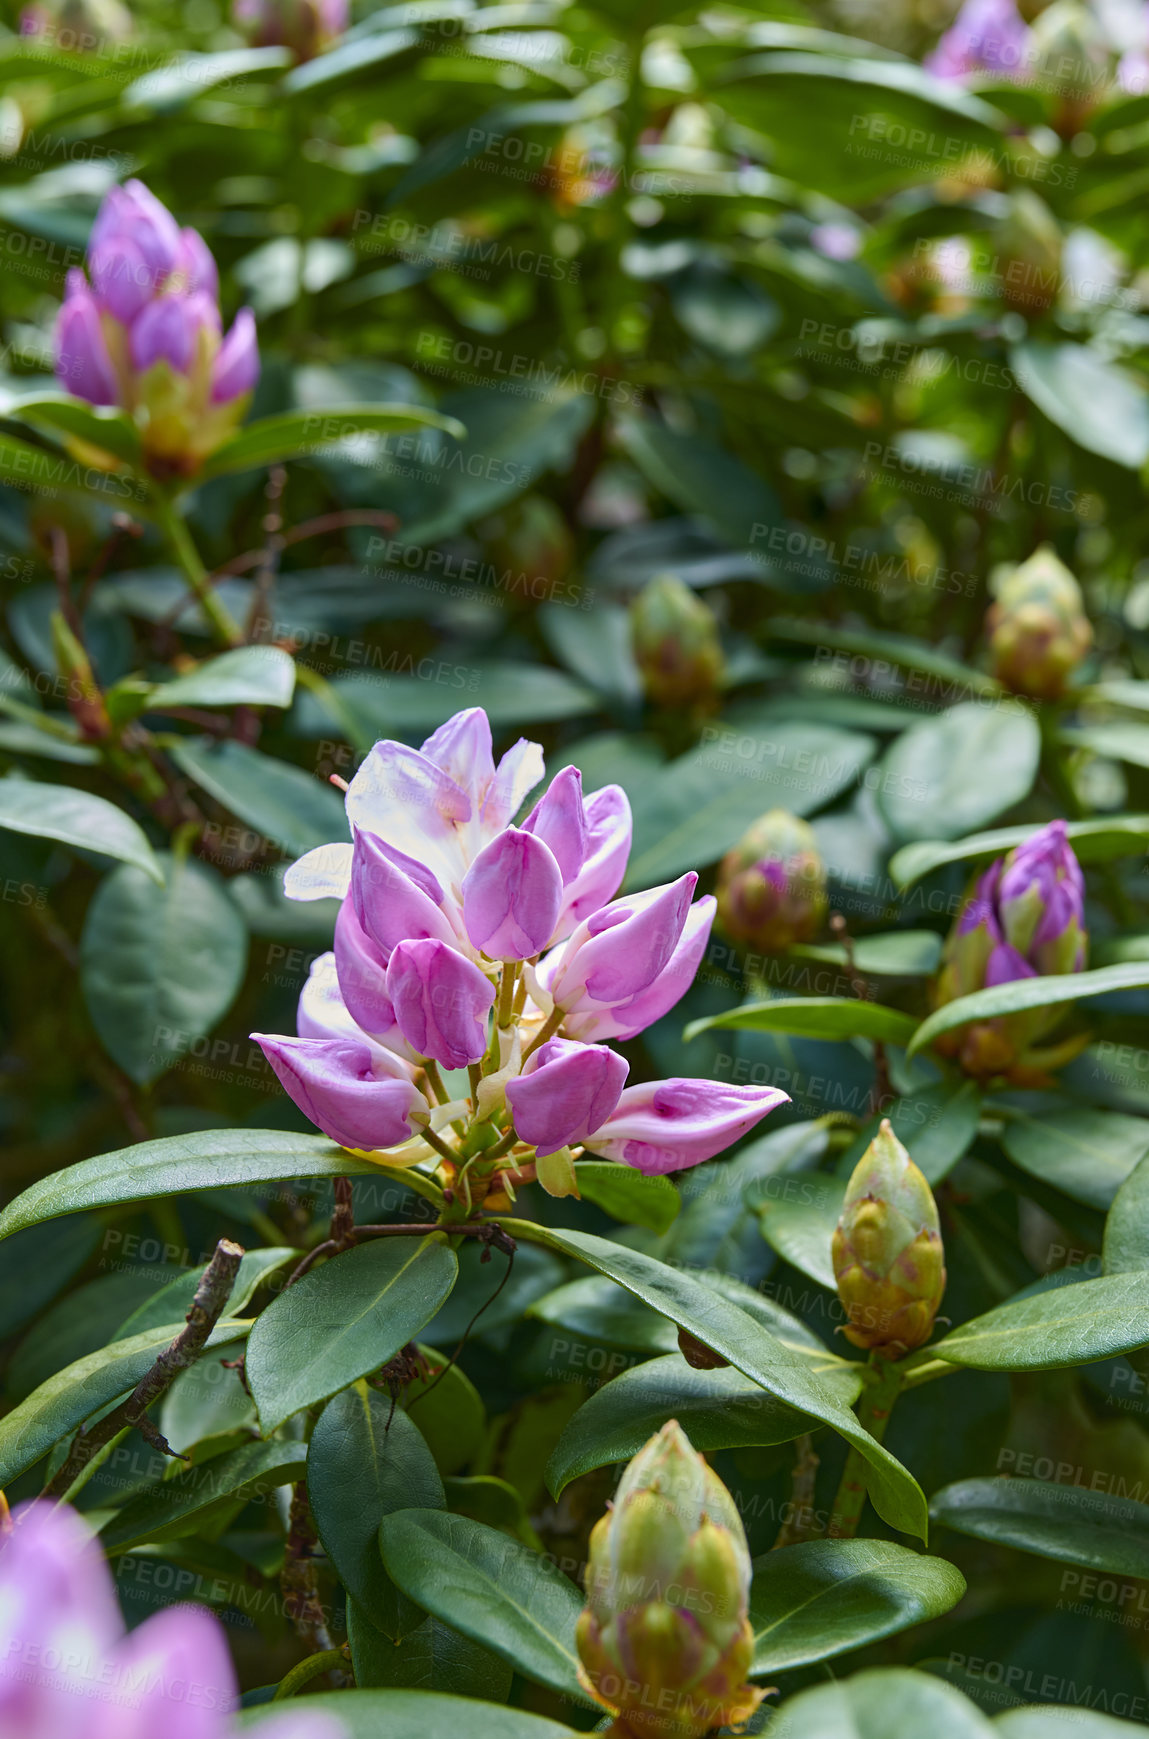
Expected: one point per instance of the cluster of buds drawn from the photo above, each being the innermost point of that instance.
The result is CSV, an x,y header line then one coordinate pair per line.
x,y
306,27
468,944
1023,918
676,644
1069,50
69,1671
145,333
665,1641
82,26
772,885
987,36
1038,630
887,1251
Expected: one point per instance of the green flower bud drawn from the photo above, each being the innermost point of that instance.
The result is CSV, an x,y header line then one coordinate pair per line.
x,y
665,1641
1038,630
887,1251
772,887
676,644
530,546
1028,245
1070,55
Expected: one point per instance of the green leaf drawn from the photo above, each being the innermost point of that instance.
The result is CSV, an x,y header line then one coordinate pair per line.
x,y
291,808
1054,1521
247,676
833,121
814,1017
174,1300
160,965
1028,993
81,1389
752,1349
344,1319
408,705
76,818
719,1409
937,1123
366,1461
1048,1722
1121,740
800,1224
302,434
1102,407
890,1703
432,1657
99,425
350,60
1126,1246
451,1417
625,1194
170,1507
1092,841
413,1715
191,75
492,1589
819,1599
177,1164
703,478
1085,1152
900,954
693,809
933,783
1067,1325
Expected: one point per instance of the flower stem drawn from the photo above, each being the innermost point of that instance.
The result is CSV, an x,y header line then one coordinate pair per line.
x,y
883,1386
197,576
435,1080
507,993
304,1671
547,1031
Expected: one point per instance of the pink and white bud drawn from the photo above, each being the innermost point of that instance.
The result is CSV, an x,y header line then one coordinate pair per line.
x,y
511,896
565,1092
441,1002
664,1126
339,1086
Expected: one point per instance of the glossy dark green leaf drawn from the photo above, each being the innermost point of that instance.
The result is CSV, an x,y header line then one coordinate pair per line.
x,y
752,1349
1080,1149
432,1658
292,808
343,1319
81,1389
1092,841
1029,993
301,434
492,1589
819,1599
414,1715
696,807
1065,1325
248,676
801,1225
1126,1247
625,1194
160,965
191,75
1073,1525
209,1159
178,1504
1101,406
889,1703
719,1409
814,1017
365,1462
98,425
76,818
933,783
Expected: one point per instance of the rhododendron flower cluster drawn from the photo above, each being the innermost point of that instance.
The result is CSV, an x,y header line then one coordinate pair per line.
x,y
468,943
145,333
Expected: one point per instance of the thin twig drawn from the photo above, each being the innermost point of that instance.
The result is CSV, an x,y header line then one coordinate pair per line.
x,y
799,1524
298,1579
883,1092
207,1306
